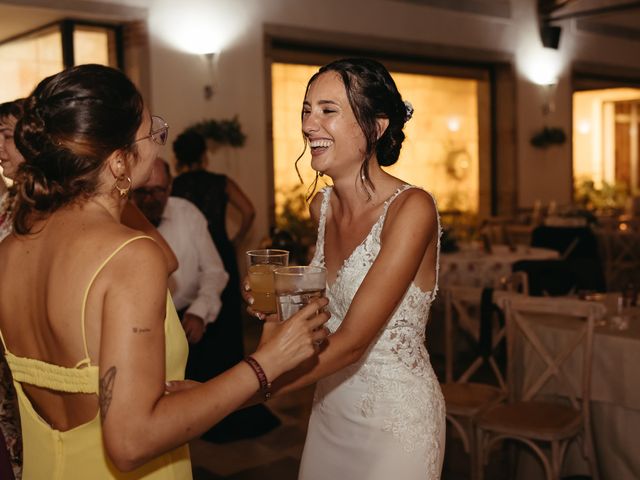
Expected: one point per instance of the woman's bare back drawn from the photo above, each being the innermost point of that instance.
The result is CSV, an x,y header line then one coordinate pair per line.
x,y
45,276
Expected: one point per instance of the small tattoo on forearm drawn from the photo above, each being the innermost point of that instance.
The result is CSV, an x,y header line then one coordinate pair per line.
x,y
141,330
106,391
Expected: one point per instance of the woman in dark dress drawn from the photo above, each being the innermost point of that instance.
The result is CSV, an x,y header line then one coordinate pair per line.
x,y
221,346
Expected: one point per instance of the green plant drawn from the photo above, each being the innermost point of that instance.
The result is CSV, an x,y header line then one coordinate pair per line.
x,y
607,196
225,132
293,218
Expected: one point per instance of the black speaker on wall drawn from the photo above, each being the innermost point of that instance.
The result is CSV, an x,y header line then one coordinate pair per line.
x,y
550,35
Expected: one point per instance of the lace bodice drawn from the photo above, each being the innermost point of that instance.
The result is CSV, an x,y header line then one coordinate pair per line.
x,y
396,365
403,337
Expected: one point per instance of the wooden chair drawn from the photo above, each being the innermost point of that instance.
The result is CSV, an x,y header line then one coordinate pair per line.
x,y
526,417
493,228
464,398
620,251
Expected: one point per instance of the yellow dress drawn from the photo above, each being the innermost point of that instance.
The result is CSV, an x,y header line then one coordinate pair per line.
x,y
79,453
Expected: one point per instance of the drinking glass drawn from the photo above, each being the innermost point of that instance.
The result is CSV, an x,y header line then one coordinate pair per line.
x,y
297,286
261,264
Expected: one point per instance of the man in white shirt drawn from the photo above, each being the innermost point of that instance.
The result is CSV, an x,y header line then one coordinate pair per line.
x,y
200,278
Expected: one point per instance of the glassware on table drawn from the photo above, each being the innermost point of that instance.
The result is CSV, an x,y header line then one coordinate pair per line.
x,y
261,264
297,286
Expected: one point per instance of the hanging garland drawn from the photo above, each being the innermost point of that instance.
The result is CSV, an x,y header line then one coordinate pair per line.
x,y
547,137
225,132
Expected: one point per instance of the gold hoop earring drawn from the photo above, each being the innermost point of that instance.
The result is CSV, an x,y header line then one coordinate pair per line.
x,y
123,191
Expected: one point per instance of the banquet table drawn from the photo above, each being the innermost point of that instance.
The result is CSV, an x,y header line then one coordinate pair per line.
x,y
472,267
615,397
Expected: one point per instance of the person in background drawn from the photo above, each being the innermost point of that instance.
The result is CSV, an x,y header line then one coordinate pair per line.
x,y
10,160
104,342
200,278
222,345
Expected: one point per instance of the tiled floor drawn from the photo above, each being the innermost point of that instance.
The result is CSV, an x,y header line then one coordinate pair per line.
x,y
276,455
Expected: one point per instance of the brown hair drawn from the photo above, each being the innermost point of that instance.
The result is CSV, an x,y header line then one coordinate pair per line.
x,y
12,109
72,122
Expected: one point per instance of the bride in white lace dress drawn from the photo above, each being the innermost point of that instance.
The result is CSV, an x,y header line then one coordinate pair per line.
x,y
378,411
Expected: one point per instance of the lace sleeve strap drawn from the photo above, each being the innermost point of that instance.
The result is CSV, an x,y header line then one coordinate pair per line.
x,y
326,195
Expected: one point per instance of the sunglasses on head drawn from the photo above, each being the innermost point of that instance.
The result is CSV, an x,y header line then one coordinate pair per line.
x,y
159,131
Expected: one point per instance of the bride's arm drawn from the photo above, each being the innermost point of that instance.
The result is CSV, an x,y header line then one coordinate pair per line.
x,y
410,228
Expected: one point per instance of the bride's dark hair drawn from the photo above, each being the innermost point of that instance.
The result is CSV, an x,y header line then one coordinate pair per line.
x,y
72,122
372,94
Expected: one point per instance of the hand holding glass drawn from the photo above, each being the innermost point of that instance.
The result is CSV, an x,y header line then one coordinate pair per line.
x,y
261,264
296,286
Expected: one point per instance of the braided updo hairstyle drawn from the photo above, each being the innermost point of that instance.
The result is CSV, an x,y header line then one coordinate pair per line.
x,y
372,94
72,122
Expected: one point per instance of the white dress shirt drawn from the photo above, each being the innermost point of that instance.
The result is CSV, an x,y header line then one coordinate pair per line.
x,y
200,277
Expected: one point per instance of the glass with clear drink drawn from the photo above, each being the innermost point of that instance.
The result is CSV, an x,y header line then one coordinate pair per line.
x,y
261,264
297,286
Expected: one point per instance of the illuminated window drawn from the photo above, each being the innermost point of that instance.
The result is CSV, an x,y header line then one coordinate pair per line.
x,y
27,59
440,152
606,148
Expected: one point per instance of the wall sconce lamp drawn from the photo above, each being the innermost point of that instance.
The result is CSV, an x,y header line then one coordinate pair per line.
x,y
548,93
209,89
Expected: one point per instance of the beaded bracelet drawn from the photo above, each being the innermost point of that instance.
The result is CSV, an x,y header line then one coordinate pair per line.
x,y
265,385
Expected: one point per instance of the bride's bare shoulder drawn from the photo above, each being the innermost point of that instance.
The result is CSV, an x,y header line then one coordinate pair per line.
x,y
414,204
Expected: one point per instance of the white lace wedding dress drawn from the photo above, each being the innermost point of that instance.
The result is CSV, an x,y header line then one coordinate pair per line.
x,y
383,417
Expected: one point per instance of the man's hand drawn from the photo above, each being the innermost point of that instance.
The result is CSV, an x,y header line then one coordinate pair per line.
x,y
193,327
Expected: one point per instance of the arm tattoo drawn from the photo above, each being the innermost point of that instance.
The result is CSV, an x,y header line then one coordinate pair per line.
x,y
106,391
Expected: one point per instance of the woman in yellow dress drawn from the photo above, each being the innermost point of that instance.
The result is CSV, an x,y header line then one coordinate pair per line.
x,y
89,330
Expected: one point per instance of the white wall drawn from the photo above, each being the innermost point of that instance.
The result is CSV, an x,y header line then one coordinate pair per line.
x,y
178,77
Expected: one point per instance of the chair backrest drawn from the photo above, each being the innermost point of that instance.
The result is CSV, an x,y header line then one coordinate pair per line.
x,y
620,250
570,242
547,277
465,312
567,326
494,229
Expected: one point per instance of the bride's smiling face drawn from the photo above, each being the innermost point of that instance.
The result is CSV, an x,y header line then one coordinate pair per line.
x,y
335,138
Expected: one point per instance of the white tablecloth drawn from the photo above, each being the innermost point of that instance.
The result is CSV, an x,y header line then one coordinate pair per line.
x,y
615,400
475,268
